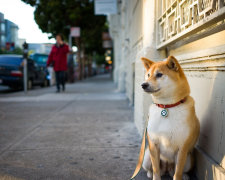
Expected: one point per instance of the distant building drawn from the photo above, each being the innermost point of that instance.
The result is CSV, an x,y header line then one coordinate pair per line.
x,y
20,42
2,31
40,48
11,34
8,34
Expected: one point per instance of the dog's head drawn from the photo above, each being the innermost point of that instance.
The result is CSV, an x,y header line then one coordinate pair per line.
x,y
165,80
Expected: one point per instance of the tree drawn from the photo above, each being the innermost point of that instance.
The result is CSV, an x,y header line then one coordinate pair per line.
x,y
14,51
57,16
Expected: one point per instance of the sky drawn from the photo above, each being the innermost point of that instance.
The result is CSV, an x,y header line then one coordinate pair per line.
x,y
23,15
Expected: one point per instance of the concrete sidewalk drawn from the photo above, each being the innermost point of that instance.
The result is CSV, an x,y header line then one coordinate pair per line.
x,y
86,133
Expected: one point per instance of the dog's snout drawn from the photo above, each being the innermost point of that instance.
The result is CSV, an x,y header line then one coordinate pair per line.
x,y
145,85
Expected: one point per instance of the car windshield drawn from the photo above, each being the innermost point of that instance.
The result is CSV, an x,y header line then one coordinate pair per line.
x,y
10,60
40,59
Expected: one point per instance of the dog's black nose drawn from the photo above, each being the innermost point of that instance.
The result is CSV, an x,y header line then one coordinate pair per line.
x,y
145,85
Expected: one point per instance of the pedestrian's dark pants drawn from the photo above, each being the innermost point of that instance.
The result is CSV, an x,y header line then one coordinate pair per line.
x,y
60,80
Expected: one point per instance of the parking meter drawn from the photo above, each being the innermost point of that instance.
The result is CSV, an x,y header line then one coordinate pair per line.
x,y
25,56
25,50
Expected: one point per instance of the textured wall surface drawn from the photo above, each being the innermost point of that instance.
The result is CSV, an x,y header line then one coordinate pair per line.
x,y
204,63
202,56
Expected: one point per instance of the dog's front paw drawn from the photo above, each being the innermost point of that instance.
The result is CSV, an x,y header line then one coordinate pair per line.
x,y
185,177
156,177
149,174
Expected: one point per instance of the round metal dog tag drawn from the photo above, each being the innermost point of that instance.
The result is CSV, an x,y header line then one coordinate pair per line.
x,y
164,113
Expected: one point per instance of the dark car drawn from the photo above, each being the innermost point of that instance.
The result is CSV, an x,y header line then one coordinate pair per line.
x,y
11,72
40,61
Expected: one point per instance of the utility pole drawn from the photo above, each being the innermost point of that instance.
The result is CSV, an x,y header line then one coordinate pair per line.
x,y
77,39
70,41
75,32
25,55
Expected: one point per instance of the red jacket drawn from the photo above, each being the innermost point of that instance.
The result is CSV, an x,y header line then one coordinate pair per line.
x,y
58,57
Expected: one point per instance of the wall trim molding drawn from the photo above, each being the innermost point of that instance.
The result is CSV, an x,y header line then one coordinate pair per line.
x,y
212,59
202,69
208,63
219,50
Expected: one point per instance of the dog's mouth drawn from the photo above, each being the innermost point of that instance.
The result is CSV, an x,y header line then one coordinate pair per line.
x,y
151,90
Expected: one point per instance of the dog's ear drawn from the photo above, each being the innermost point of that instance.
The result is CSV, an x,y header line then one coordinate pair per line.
x,y
172,63
147,63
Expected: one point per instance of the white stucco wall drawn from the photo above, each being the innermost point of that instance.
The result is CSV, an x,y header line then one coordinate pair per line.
x,y
203,61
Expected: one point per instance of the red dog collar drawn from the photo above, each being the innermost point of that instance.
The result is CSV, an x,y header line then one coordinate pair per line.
x,y
171,105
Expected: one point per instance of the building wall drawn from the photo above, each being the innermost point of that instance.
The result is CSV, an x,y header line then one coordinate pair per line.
x,y
2,31
11,32
199,45
8,32
115,31
203,63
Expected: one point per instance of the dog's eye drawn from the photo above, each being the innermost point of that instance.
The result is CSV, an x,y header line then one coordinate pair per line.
x,y
158,75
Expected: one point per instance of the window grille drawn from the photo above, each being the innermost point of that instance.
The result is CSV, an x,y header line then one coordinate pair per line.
x,y
177,18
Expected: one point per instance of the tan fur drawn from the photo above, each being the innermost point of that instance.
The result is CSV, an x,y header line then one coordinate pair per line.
x,y
193,123
183,88
172,92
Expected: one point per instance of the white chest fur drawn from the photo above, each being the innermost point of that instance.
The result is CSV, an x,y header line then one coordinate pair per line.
x,y
170,132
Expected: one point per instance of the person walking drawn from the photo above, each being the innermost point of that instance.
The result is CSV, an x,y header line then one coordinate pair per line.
x,y
58,59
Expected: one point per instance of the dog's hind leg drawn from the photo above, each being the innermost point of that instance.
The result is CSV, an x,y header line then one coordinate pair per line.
x,y
188,167
189,163
147,164
149,174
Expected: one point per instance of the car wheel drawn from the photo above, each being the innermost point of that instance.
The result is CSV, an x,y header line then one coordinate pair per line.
x,y
29,84
45,83
48,83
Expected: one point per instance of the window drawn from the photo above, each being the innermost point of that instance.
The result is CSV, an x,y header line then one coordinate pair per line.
x,y
2,40
2,27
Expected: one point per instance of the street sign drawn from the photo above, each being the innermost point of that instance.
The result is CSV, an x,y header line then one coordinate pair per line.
x,y
107,44
105,7
106,36
75,31
107,41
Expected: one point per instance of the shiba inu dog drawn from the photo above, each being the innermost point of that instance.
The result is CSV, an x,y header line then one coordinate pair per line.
x,y
173,127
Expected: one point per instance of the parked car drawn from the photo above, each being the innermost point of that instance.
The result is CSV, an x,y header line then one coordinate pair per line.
x,y
11,72
41,61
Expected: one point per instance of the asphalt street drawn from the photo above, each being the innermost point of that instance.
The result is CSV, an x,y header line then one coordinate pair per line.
x,y
85,133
